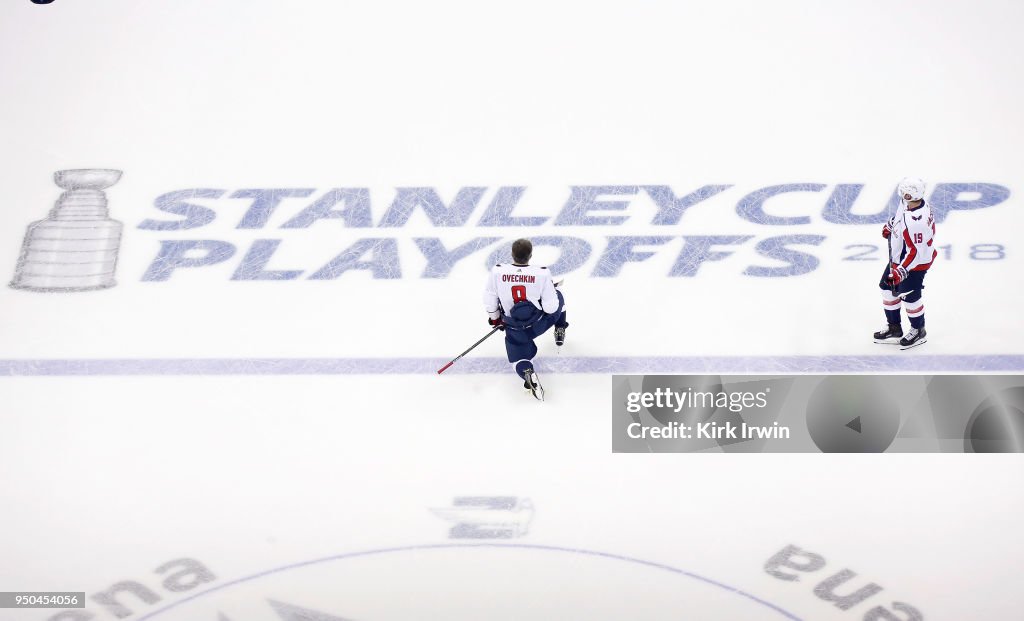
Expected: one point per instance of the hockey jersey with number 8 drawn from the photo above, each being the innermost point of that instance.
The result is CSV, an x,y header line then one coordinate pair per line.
x,y
911,239
509,283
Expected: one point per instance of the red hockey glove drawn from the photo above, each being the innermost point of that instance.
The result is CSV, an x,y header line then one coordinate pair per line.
x,y
897,273
887,229
497,323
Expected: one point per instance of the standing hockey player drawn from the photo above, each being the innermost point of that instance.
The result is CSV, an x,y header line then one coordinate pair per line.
x,y
521,300
910,233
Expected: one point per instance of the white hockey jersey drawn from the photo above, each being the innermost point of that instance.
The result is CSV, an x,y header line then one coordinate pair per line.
x,y
509,283
913,234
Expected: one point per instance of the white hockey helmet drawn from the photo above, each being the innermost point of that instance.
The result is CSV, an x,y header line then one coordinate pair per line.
x,y
912,186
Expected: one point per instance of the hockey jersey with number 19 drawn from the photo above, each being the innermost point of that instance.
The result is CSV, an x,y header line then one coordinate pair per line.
x,y
509,283
911,240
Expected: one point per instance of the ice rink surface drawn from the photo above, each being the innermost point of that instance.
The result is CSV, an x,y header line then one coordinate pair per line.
x,y
249,426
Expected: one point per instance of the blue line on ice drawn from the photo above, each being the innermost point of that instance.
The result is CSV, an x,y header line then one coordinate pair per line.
x,y
548,364
520,546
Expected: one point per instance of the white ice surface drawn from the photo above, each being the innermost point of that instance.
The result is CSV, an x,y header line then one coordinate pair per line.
x,y
105,478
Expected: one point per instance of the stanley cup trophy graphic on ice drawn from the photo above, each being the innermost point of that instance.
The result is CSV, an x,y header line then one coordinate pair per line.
x,y
75,247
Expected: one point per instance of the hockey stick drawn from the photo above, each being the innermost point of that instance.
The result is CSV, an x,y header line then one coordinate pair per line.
x,y
888,258
472,347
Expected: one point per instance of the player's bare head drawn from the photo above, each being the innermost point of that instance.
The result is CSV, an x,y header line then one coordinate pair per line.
x,y
911,189
522,250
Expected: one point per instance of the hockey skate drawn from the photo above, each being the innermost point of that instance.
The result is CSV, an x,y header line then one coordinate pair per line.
x,y
532,385
559,336
890,336
914,338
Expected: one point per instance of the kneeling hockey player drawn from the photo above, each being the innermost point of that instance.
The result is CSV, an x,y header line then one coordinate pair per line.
x,y
521,299
910,233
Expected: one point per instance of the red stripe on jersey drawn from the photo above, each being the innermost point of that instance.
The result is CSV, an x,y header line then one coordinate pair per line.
x,y
892,303
913,249
916,310
924,266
